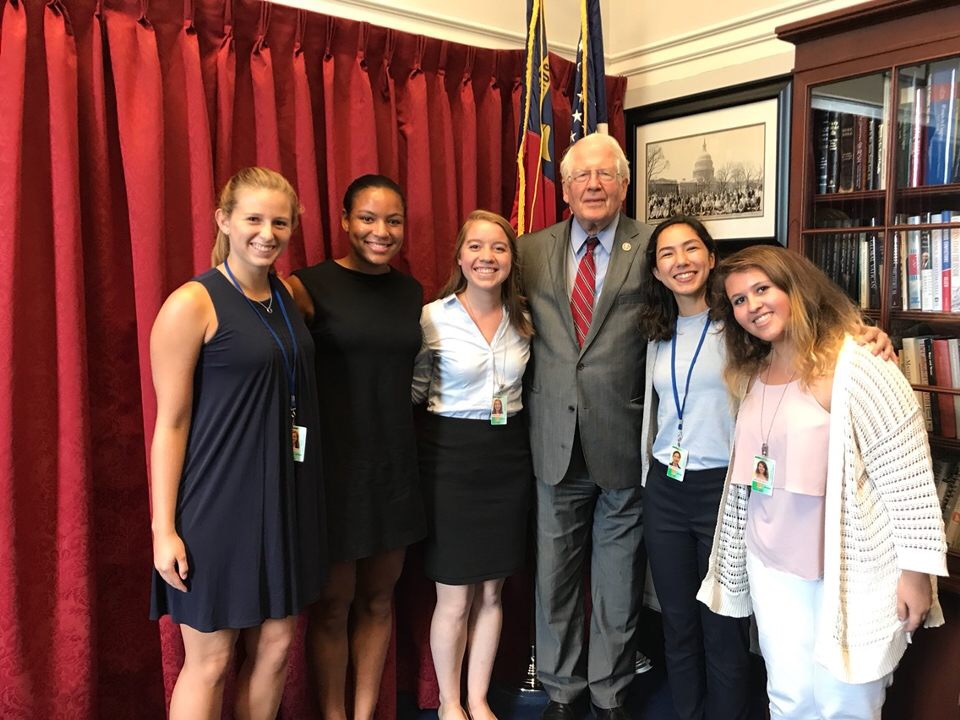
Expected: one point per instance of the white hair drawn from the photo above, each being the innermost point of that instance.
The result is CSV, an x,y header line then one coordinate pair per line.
x,y
623,166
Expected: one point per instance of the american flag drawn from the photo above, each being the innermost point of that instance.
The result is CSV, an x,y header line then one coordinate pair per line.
x,y
589,103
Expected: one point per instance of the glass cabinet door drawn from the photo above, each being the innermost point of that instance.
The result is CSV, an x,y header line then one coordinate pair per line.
x,y
847,181
926,212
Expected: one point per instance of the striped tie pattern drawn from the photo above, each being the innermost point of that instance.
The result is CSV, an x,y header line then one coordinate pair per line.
x,y
584,288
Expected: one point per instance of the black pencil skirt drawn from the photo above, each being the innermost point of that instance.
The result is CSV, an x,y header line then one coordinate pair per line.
x,y
477,484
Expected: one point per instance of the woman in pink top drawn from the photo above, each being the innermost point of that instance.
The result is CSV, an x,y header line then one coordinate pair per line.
x,y
833,548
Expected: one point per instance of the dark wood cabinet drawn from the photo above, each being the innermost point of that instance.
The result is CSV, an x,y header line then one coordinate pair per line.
x,y
874,200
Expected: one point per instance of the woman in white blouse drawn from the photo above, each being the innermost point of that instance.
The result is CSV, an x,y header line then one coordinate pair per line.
x,y
474,461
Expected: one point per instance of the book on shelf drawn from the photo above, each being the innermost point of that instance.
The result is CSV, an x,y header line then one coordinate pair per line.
x,y
935,361
918,134
946,477
848,152
874,248
925,268
942,252
951,522
946,474
943,375
928,377
854,261
897,287
914,367
859,167
822,133
931,239
953,355
941,146
953,238
912,265
833,151
928,130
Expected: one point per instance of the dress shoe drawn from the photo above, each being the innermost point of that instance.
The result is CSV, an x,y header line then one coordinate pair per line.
x,y
558,711
614,713
642,664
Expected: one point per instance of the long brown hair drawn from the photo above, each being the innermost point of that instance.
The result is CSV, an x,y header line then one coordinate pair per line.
x,y
510,291
820,316
256,178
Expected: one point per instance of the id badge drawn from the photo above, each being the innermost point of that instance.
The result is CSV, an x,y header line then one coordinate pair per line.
x,y
299,433
763,468
678,463
498,410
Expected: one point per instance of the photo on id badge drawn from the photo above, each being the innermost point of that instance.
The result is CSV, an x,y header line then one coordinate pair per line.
x,y
763,468
678,463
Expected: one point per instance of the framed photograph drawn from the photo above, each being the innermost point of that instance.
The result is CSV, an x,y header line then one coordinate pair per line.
x,y
722,157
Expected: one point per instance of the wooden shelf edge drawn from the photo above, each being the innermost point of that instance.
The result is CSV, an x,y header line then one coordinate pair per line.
x,y
944,442
852,18
921,190
937,389
862,229
925,315
849,196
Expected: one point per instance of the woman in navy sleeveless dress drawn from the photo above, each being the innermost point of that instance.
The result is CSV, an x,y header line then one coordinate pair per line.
x,y
365,321
238,533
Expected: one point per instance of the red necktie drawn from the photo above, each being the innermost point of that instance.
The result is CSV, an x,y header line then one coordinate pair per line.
x,y
584,287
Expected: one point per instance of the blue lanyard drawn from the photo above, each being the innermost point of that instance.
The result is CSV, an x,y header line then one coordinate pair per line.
x,y
290,368
673,374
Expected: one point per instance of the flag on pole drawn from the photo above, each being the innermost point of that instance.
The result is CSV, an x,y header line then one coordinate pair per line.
x,y
535,203
589,102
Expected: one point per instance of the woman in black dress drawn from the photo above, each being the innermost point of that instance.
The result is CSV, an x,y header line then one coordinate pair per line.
x,y
364,317
474,455
237,510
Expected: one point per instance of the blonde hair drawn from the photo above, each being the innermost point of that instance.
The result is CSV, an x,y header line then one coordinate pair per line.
x,y
256,178
820,316
511,292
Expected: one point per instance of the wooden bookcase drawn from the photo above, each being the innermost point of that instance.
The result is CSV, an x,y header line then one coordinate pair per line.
x,y
871,172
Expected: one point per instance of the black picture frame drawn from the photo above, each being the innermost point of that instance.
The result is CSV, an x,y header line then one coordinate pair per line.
x,y
745,95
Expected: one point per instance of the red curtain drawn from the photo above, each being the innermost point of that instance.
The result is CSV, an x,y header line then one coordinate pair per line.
x,y
119,120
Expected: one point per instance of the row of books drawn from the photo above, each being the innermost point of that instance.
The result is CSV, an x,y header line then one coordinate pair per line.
x,y
852,261
848,152
927,132
926,264
933,360
946,474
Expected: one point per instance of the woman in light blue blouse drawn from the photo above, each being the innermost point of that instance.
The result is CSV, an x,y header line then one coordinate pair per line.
x,y
687,431
474,455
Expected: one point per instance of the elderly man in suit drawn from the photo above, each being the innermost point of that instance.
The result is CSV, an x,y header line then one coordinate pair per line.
x,y
583,279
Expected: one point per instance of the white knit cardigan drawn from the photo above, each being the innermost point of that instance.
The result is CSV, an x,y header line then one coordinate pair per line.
x,y
882,516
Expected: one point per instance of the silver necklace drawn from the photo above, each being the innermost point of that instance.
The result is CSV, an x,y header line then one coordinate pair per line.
x,y
764,448
267,304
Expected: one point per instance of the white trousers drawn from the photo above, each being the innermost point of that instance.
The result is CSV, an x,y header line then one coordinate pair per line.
x,y
787,609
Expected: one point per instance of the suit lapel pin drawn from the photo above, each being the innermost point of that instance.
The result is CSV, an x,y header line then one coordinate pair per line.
x,y
627,247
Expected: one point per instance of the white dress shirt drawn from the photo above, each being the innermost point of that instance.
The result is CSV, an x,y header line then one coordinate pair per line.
x,y
458,372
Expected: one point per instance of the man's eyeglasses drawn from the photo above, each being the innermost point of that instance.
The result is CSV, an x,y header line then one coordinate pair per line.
x,y
579,177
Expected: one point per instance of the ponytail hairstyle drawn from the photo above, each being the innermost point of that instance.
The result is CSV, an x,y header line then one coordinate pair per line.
x,y
511,293
254,178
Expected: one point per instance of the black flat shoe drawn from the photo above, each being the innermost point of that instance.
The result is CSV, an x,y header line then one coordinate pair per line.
x,y
558,711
